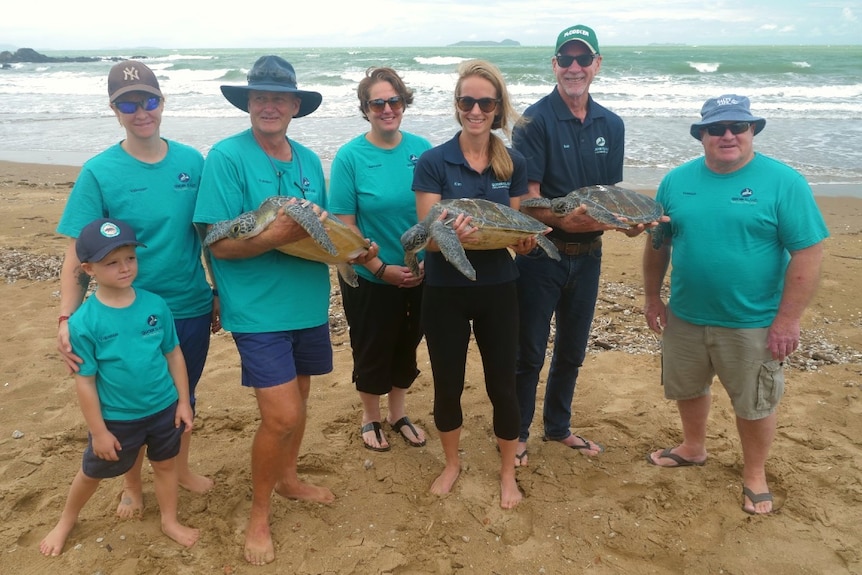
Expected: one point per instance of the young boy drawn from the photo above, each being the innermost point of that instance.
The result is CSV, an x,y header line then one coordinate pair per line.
x,y
129,394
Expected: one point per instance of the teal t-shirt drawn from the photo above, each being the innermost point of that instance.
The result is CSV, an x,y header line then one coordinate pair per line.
x,y
375,185
158,201
273,291
732,234
125,349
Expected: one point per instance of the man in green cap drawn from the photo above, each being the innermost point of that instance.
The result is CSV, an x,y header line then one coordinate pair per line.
x,y
570,142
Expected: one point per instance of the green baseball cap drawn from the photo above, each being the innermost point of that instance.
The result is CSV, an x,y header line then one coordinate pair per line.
x,y
579,33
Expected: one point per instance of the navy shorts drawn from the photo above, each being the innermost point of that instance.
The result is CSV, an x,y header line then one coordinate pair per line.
x,y
273,358
194,336
156,431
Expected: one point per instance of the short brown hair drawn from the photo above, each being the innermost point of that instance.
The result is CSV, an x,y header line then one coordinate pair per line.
x,y
383,74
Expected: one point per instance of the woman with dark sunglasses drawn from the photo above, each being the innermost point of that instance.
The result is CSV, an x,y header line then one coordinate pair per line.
x,y
370,191
151,183
474,164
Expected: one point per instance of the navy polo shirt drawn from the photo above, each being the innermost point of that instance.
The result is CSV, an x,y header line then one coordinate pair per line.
x,y
564,154
444,170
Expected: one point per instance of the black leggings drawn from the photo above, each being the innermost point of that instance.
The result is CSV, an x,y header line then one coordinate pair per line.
x,y
446,316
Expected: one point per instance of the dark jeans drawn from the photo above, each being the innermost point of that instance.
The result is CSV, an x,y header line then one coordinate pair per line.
x,y
567,288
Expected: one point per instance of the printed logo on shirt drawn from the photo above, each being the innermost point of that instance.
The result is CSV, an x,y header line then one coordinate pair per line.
x,y
372,166
457,184
501,185
413,159
601,146
108,336
746,196
155,328
184,182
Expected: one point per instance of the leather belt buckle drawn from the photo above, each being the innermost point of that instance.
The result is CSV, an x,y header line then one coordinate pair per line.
x,y
576,248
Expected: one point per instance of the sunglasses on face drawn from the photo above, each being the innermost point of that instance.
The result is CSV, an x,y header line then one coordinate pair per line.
x,y
148,104
583,60
379,104
719,130
466,103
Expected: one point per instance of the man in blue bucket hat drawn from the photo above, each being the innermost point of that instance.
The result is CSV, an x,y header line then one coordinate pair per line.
x,y
745,244
275,305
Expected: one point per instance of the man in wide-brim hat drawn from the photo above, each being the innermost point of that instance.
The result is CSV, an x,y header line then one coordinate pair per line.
x,y
275,305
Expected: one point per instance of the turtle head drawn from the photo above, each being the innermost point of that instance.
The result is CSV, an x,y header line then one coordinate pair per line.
x,y
415,238
243,227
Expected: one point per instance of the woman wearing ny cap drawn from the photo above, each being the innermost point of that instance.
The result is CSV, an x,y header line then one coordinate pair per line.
x,y
370,190
151,183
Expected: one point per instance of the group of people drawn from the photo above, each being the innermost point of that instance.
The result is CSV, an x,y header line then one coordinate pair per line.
x,y
150,191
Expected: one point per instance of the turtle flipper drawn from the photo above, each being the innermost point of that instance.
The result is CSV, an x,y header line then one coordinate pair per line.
x,y
549,247
451,248
303,214
536,203
348,274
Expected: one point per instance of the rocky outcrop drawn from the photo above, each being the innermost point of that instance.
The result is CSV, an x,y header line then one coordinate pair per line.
x,y
32,56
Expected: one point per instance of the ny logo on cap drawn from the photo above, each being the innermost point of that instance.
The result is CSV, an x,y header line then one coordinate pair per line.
x,y
130,74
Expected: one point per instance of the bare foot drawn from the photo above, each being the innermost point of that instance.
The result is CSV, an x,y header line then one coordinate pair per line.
x,y
52,544
195,482
510,493
259,549
444,482
185,536
521,458
131,504
304,492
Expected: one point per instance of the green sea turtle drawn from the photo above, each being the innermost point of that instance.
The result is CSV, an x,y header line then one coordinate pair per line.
x,y
330,241
498,226
611,205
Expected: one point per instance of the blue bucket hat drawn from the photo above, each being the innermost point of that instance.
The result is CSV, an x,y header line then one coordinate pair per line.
x,y
726,108
272,74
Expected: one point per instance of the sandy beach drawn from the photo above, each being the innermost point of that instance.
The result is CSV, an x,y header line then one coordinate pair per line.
x,y
609,514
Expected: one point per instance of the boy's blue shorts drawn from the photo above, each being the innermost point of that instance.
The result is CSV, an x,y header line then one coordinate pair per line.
x,y
156,431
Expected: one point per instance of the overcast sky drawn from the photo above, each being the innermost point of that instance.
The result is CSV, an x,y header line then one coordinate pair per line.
x,y
103,24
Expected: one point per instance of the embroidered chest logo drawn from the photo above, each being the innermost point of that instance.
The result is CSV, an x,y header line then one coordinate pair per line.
x,y
152,320
184,177
746,196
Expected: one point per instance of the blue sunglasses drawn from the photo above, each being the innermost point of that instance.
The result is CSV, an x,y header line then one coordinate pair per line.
x,y
148,104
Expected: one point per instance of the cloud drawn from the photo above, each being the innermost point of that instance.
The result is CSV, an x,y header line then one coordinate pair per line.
x,y
848,15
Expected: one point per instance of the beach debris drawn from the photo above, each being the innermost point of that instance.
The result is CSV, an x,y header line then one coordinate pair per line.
x,y
17,264
17,434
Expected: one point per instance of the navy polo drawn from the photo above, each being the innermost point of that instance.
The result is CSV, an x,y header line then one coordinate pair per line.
x,y
564,154
444,170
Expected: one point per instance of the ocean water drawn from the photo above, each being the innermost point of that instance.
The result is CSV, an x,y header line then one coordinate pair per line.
x,y
811,97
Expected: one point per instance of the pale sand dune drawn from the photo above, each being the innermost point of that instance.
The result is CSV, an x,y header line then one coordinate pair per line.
x,y
609,514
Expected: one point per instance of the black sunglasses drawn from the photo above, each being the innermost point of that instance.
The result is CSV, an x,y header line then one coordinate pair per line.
x,y
583,60
379,104
466,103
148,104
719,130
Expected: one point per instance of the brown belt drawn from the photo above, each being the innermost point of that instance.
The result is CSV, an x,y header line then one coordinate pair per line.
x,y
576,248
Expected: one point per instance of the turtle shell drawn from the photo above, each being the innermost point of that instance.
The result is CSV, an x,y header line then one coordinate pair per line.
x,y
607,203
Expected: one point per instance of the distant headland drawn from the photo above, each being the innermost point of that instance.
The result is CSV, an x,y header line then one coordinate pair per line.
x,y
505,42
32,56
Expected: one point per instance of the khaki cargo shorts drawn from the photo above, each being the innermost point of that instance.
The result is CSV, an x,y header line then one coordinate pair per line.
x,y
692,355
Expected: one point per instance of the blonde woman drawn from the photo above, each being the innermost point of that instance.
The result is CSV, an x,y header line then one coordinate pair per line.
x,y
474,164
